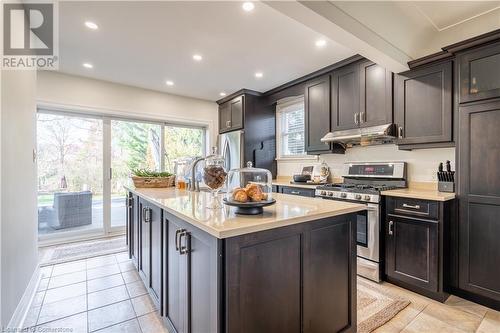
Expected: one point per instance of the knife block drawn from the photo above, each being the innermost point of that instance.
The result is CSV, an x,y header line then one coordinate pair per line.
x,y
446,187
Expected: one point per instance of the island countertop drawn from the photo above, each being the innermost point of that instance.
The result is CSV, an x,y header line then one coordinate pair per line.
x,y
223,223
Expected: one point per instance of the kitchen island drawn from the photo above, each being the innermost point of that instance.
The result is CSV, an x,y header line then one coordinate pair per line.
x,y
290,269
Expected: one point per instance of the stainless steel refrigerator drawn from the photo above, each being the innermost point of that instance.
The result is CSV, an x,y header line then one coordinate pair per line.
x,y
231,148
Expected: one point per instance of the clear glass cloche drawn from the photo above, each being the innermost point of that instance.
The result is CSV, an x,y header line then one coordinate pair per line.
x,y
249,185
214,176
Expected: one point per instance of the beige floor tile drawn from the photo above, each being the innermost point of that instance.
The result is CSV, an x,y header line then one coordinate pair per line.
x,y
130,326
61,309
136,288
58,294
130,276
102,271
110,315
401,320
31,317
74,324
107,296
152,323
490,323
465,305
424,323
67,279
465,321
121,257
126,266
38,299
106,282
44,283
101,261
70,267
143,305
46,271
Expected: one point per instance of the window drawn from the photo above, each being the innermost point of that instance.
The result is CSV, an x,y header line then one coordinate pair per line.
x,y
182,142
290,113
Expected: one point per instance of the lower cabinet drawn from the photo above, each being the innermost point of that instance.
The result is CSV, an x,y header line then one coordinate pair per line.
x,y
416,245
144,242
133,227
191,278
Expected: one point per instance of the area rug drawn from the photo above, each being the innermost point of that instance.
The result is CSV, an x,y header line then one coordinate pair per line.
x,y
75,251
376,306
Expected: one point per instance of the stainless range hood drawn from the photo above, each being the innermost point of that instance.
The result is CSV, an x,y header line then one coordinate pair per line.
x,y
364,136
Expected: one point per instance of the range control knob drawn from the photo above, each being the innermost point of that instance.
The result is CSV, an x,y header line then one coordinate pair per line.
x,y
330,194
323,192
343,195
367,197
358,196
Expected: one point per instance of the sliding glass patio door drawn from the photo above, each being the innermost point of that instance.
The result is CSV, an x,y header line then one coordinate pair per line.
x,y
84,161
70,175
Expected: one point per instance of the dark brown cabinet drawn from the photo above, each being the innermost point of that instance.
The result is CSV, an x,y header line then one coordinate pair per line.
x,y
416,236
423,105
231,114
317,114
192,272
375,106
479,194
480,73
345,98
313,257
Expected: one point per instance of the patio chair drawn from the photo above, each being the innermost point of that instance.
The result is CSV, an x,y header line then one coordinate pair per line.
x,y
70,210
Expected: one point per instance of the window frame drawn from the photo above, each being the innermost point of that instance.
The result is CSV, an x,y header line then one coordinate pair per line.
x,y
283,106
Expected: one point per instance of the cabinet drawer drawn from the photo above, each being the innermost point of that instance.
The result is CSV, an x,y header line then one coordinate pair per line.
x,y
297,191
413,207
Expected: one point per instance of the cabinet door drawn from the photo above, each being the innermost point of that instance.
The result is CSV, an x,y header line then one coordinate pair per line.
x,y
203,287
345,98
156,227
224,117
375,95
237,110
423,105
176,284
145,247
479,193
317,114
480,73
412,251
133,229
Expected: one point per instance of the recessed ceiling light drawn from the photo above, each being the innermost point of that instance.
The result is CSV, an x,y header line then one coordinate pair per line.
x,y
248,6
320,43
222,94
259,75
88,65
197,57
169,83
91,25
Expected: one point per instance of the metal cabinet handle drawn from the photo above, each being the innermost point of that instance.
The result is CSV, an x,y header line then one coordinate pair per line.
x,y
391,228
356,118
400,132
146,214
294,192
411,206
177,232
184,249
228,123
362,117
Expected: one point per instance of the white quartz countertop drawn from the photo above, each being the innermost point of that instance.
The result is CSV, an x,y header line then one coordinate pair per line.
x,y
223,223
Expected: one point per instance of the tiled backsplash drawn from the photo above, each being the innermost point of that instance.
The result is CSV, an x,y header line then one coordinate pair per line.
x,y
422,164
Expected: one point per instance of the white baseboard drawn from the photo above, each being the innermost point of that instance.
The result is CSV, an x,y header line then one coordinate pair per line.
x,y
19,316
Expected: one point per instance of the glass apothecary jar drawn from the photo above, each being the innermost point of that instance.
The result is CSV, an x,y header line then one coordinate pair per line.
x,y
214,176
249,189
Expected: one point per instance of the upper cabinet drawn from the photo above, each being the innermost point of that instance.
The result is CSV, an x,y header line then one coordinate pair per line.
x,y
375,105
345,98
317,114
231,114
480,73
423,105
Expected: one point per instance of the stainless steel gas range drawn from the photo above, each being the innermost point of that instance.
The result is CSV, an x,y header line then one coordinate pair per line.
x,y
363,183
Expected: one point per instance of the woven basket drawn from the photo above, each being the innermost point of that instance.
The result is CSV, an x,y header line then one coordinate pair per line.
x,y
153,182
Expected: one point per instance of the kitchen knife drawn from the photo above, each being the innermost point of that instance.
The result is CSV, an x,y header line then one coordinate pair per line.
x,y
448,171
440,172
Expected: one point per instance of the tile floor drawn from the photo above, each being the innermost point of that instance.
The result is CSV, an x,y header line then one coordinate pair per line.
x,y
101,294
105,294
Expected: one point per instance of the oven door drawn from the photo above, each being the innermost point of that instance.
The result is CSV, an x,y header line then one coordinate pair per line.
x,y
368,233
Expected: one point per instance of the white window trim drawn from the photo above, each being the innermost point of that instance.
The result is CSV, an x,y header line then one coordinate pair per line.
x,y
281,107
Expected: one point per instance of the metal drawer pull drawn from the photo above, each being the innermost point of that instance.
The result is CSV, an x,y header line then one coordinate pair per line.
x,y
147,214
400,132
411,206
177,232
391,230
184,249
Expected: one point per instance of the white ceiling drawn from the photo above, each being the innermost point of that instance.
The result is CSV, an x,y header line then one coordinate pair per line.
x,y
146,43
